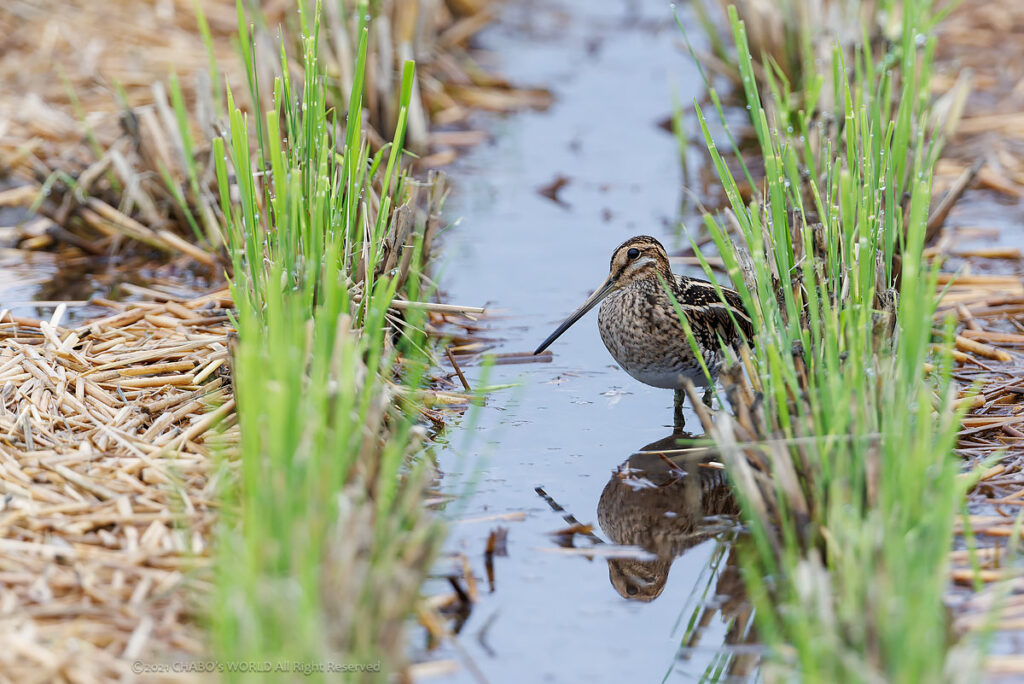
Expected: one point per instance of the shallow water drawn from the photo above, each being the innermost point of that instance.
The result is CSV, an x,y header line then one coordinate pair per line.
x,y
34,283
613,67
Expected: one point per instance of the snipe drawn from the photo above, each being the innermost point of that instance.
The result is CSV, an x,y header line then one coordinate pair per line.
x,y
640,326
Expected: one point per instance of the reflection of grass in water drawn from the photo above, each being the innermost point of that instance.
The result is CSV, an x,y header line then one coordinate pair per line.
x,y
324,541
700,607
473,455
851,506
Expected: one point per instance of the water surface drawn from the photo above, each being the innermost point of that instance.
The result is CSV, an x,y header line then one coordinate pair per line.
x,y
613,67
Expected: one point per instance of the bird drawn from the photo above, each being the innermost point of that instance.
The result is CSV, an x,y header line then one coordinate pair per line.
x,y
641,329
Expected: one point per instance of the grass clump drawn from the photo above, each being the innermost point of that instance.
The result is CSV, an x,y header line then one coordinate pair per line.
x,y
841,444
324,541
797,37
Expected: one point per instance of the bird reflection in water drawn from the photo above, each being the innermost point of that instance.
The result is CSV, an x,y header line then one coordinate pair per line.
x,y
666,499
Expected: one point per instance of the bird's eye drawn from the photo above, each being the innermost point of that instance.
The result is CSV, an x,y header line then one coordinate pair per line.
x,y
633,253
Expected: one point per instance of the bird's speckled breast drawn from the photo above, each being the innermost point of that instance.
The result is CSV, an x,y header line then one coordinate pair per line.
x,y
641,330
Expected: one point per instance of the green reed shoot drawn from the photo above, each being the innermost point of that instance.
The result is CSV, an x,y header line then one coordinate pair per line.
x,y
849,570
323,538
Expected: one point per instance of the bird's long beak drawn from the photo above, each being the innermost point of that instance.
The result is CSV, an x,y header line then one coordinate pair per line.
x,y
593,300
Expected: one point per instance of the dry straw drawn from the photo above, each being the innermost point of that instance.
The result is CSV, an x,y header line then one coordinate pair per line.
x,y
106,472
108,428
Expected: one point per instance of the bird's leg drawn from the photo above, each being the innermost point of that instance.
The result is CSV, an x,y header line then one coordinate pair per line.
x,y
708,395
677,411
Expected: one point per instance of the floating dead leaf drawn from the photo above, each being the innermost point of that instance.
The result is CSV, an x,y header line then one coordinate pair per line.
x,y
566,535
496,546
510,358
551,190
497,542
604,551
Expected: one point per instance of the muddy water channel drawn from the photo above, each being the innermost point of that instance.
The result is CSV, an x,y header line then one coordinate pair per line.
x,y
568,437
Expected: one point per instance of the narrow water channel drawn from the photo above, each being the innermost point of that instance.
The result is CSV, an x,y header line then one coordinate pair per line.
x,y
551,615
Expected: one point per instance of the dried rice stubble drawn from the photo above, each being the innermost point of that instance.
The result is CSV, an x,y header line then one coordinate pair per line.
x,y
106,473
